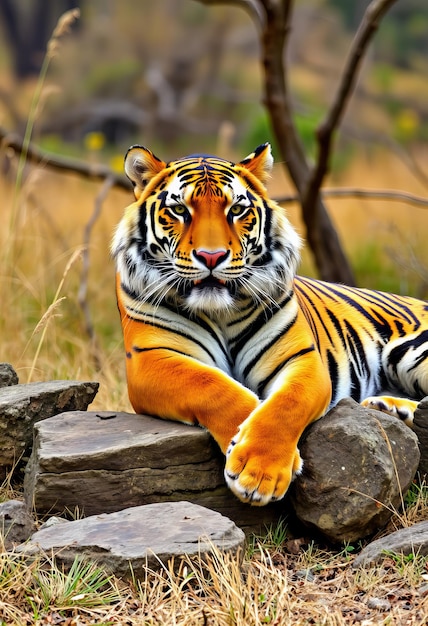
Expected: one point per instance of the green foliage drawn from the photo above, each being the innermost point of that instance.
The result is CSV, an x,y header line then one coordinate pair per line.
x,y
418,562
260,131
375,270
274,538
84,585
417,494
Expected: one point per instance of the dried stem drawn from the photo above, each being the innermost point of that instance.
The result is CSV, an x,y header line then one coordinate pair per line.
x,y
84,277
369,24
368,194
51,312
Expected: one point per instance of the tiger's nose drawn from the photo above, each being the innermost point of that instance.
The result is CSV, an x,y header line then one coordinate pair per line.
x,y
211,258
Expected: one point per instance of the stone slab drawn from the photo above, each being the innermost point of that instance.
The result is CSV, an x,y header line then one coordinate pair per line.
x,y
139,537
103,462
353,458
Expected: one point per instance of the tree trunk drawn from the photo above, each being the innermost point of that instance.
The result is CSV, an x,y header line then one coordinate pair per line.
x,y
321,235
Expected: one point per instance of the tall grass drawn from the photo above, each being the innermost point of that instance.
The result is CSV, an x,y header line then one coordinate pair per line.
x,y
41,327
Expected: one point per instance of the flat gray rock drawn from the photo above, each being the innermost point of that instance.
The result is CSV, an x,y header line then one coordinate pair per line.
x,y
103,462
139,537
352,457
21,406
411,540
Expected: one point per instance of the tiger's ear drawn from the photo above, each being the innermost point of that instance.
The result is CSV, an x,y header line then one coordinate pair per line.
x,y
141,165
259,162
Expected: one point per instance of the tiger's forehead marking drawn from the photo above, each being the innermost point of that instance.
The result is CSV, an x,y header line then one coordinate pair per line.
x,y
200,177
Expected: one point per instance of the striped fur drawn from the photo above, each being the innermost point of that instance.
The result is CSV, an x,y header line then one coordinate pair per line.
x,y
219,331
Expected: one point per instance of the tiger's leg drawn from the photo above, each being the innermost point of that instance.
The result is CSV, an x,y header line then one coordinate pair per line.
x,y
402,408
405,364
263,457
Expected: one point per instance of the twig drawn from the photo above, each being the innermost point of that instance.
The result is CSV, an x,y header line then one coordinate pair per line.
x,y
365,32
366,194
95,171
82,296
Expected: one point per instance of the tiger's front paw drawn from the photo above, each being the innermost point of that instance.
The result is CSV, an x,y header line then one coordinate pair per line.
x,y
258,473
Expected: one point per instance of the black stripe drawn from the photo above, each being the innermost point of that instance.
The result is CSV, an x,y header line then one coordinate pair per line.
x,y
400,351
357,349
355,386
262,384
266,347
308,314
380,324
334,375
248,312
198,321
140,350
194,319
398,306
264,317
165,326
421,358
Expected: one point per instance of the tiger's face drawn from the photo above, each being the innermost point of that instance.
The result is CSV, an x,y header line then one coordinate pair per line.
x,y
202,232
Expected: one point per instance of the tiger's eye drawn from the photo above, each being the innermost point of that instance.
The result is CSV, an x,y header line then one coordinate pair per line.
x,y
236,209
179,209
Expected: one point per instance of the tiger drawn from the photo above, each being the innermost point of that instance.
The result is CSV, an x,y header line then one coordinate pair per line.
x,y
219,330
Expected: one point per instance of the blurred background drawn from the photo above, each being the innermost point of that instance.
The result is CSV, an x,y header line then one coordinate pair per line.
x,y
179,76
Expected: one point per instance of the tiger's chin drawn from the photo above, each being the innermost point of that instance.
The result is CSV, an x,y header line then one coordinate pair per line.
x,y
209,297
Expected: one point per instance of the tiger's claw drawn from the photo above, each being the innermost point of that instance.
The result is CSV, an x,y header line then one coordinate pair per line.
x,y
254,477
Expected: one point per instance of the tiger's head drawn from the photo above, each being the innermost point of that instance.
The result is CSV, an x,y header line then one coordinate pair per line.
x,y
202,232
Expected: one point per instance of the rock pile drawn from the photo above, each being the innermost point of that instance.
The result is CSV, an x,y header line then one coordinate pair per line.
x,y
132,474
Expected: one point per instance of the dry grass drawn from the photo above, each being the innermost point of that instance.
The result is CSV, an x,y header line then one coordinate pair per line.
x,y
287,583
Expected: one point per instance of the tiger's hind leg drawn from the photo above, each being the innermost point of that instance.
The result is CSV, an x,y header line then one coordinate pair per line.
x,y
402,408
405,366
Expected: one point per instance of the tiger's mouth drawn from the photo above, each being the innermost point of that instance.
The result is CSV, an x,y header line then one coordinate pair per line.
x,y
209,283
208,294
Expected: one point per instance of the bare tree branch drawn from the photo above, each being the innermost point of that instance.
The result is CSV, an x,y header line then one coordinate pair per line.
x,y
369,24
365,194
95,171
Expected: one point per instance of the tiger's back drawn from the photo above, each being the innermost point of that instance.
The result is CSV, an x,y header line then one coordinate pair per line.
x,y
372,342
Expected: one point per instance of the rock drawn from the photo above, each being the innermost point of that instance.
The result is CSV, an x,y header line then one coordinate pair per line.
x,y
53,521
349,485
420,427
102,462
411,540
16,523
139,537
379,604
21,406
8,376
